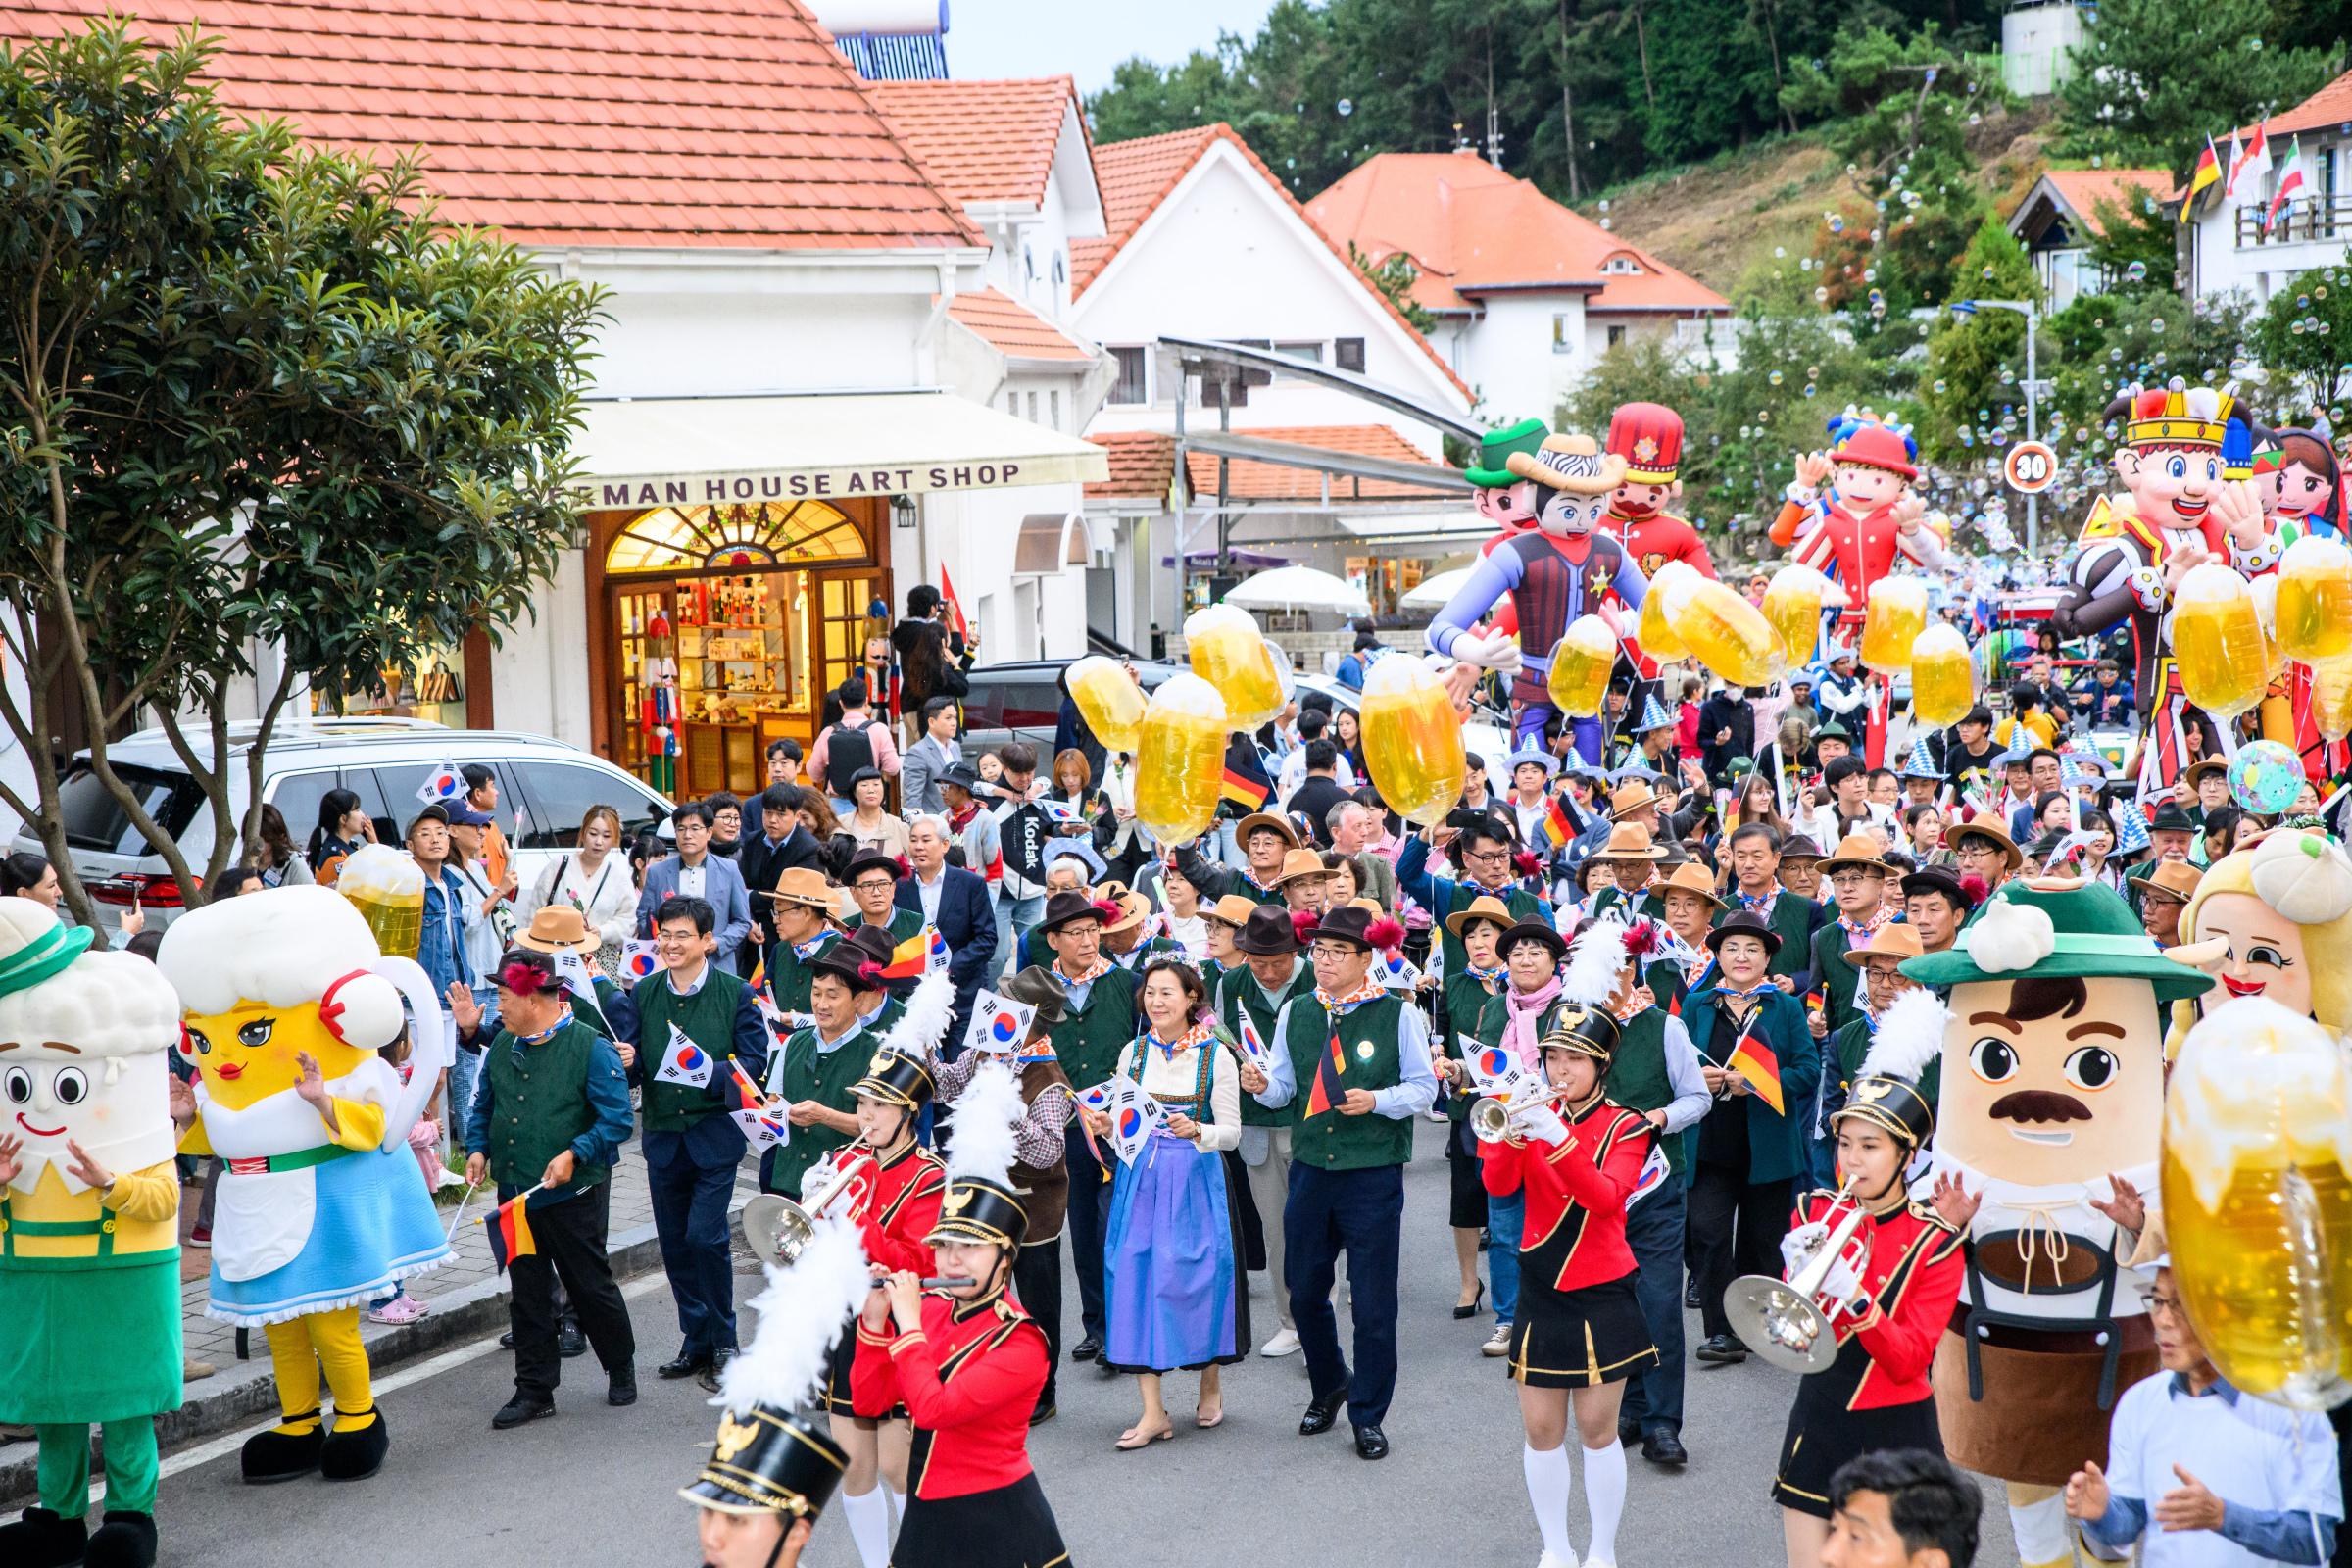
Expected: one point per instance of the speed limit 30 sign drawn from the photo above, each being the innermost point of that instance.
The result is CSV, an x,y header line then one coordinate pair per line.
x,y
2031,467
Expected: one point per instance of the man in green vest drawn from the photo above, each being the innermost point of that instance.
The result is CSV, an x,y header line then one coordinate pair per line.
x,y
1858,881
1880,964
550,1115
692,1147
1655,1070
1097,1023
813,1074
1632,854
1480,849
1353,1059
802,916
873,879
1753,853
1269,978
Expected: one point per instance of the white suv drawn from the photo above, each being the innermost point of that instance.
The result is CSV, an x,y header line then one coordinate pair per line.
x,y
544,788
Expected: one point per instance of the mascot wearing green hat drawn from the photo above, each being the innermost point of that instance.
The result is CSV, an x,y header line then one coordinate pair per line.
x,y
2047,1140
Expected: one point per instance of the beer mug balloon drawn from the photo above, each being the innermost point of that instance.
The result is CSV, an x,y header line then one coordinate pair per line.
x,y
1943,678
1892,617
388,890
1580,663
2257,1202
1180,758
2218,641
1230,652
1413,740
1727,634
2331,696
2315,599
1655,633
1108,699
1792,606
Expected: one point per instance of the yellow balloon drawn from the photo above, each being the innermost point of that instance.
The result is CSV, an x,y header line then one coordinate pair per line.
x,y
1943,678
1230,652
1180,758
1108,699
2257,1202
2331,696
1894,615
1581,662
1413,740
1793,605
2218,641
1728,634
1655,634
2315,599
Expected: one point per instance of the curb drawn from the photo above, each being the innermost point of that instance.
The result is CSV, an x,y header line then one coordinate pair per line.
x,y
461,1316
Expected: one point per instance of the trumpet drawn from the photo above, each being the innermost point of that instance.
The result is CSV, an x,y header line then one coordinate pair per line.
x,y
1495,1119
779,1229
1784,1320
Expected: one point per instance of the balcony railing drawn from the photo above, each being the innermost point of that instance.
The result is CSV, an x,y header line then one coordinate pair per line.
x,y
2299,222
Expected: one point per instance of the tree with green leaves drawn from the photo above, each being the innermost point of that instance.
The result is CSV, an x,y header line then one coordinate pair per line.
x,y
1394,275
2153,79
1967,354
2304,335
256,397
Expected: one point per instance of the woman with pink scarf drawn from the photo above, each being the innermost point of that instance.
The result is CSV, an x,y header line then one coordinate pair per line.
x,y
1516,1017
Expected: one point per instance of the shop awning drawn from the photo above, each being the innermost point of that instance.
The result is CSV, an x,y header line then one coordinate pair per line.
x,y
1392,527
652,451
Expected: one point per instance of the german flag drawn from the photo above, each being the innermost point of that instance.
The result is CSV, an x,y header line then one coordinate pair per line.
x,y
1330,1086
1754,1060
1557,827
909,957
509,1228
1244,781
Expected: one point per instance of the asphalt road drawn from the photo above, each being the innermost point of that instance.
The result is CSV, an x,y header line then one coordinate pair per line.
x,y
595,1484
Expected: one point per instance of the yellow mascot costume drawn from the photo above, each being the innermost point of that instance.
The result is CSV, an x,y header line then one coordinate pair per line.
x,y
2272,921
321,1208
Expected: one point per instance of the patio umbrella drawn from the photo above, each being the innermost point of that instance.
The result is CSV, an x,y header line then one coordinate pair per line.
x,y
1432,592
1300,588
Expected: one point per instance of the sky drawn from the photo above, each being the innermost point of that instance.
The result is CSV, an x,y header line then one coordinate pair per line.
x,y
997,38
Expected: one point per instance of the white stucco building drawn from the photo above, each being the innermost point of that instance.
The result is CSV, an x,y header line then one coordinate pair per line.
x,y
2232,248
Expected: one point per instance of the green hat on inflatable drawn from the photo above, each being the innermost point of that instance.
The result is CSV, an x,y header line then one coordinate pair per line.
x,y
2057,928
1492,469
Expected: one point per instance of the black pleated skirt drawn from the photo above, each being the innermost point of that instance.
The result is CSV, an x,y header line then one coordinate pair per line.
x,y
1009,1527
1579,1339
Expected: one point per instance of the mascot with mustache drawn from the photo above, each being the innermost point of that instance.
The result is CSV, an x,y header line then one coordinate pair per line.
x,y
2046,1137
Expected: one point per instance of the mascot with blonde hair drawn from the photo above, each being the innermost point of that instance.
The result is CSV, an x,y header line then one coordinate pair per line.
x,y
2272,921
322,1207
89,1239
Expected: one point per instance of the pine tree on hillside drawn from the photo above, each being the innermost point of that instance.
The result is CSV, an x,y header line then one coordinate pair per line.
x,y
2153,79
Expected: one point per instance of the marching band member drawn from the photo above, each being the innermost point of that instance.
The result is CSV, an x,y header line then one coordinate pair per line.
x,y
967,1362
1580,1331
811,1077
1876,1395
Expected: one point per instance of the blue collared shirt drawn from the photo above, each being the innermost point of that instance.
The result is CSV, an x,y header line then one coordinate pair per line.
x,y
608,1091
1414,1093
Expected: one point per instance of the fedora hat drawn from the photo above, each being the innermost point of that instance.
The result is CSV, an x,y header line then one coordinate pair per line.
x,y
2171,879
1745,923
874,860
1858,850
1690,877
1984,827
1233,909
1134,909
1488,470
2170,819
1532,930
805,885
1939,879
1799,846
1037,987
1485,907
1268,931
1632,797
1358,927
1894,940
557,929
851,963
1629,841
2198,770
1064,907
1296,863
1268,820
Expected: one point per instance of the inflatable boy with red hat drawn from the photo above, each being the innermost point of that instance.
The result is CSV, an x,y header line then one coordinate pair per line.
x,y
2178,509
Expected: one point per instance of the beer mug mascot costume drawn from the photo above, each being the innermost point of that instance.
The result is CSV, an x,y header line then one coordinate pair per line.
x,y
2272,921
2049,1115
1565,569
322,1207
1854,530
90,1243
1648,436
2177,511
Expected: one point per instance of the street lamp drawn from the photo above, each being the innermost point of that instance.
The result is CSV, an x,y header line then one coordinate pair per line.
x,y
2033,390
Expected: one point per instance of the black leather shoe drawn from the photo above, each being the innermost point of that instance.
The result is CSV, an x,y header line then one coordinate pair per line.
x,y
1662,1447
1042,1415
521,1408
708,1376
1628,1433
684,1365
1371,1443
506,1340
1722,1349
621,1389
571,1343
1691,1296
1086,1349
1321,1412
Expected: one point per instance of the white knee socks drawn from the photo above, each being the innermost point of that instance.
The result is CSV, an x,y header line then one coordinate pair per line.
x,y
1547,1492
869,1525
2041,1527
1604,1495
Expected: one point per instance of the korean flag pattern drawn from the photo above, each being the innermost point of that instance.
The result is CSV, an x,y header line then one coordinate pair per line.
x,y
684,1063
443,783
999,1025
639,960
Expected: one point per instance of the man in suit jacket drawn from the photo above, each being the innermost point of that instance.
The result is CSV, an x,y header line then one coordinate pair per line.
x,y
954,903
781,844
929,757
696,873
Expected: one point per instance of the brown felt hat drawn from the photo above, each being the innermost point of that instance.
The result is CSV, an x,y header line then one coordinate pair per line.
x,y
1690,877
1485,907
1894,940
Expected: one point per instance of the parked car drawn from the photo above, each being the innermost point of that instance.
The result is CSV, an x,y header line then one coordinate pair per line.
x,y
1023,700
544,788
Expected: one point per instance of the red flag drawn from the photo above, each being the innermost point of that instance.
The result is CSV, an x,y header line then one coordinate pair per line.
x,y
946,592
1330,1088
909,958
2290,183
1248,793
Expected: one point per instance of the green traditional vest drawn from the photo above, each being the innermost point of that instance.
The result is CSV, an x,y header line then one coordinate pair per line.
x,y
1638,1078
1244,882
594,1013
1238,992
1838,980
540,1105
1369,1037
1850,1045
901,924
789,978
1522,904
1496,1016
708,1018
824,1077
1089,1039
1792,918
1466,999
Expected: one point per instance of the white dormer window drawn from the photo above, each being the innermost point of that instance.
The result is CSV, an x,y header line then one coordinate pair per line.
x,y
1621,266
1061,271
1028,264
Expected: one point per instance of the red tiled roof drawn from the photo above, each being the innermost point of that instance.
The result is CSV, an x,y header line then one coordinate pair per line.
x,y
1013,328
577,122
1142,461
1273,481
1470,228
1136,177
2330,106
982,141
2084,190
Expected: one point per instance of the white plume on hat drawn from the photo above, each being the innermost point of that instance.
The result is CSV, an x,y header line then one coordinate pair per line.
x,y
1910,1035
804,1310
1594,961
924,1024
986,1114
2010,936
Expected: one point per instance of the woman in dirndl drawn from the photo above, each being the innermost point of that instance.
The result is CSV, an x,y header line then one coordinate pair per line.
x,y
1578,1331
1174,1289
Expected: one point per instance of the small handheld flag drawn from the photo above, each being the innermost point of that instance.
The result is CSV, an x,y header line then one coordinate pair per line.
x,y
443,783
1000,1025
1061,813
1754,1060
910,960
639,960
1254,1044
1134,1117
508,1226
1330,1089
763,1129
1555,824
684,1063
935,953
1099,1098
1654,1169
